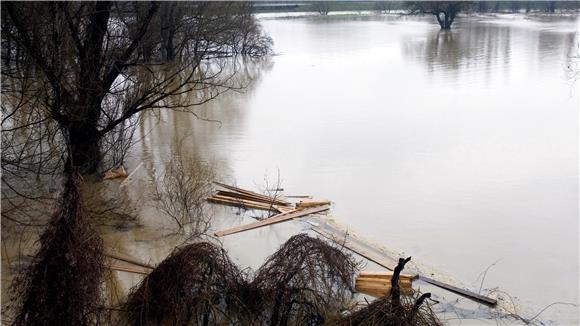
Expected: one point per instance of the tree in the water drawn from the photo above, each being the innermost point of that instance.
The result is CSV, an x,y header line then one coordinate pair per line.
x,y
76,74
444,11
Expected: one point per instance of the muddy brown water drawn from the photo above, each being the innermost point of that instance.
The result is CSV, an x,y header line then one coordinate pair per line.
x,y
458,148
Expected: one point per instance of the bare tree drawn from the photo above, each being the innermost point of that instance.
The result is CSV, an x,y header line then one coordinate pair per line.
x,y
181,191
444,11
80,72
322,7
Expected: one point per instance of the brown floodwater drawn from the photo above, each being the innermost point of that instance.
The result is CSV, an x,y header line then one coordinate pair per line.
x,y
457,148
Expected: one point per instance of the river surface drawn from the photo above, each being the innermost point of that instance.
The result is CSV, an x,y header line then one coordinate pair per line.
x,y
459,148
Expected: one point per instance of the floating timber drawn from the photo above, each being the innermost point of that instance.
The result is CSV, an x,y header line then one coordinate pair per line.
x,y
129,269
253,195
368,252
385,275
274,219
129,260
311,203
357,247
380,285
231,201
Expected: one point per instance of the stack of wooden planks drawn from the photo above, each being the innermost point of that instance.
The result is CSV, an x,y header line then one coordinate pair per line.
x,y
234,196
378,284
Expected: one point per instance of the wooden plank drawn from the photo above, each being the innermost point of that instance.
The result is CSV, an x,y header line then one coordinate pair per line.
x,y
311,203
239,203
387,275
357,248
248,203
403,282
269,200
382,288
371,283
128,269
248,192
272,220
474,296
128,260
241,200
387,262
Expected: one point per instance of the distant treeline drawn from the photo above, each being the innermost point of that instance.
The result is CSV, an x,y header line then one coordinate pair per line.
x,y
324,7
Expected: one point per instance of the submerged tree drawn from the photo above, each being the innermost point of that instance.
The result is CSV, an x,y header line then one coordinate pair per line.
x,y
444,11
79,72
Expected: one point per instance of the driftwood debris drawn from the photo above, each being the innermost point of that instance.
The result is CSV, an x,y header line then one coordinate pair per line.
x,y
249,199
239,192
366,251
129,260
356,247
274,219
115,173
234,196
311,203
379,285
128,269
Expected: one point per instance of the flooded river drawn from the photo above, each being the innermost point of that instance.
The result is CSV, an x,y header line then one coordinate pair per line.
x,y
457,148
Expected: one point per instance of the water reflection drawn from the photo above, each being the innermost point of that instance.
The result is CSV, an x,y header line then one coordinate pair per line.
x,y
478,48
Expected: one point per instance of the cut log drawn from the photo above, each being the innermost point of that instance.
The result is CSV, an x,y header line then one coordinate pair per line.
x,y
274,219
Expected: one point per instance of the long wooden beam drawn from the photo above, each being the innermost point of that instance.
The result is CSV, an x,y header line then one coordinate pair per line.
x,y
274,219
128,260
135,270
357,246
239,202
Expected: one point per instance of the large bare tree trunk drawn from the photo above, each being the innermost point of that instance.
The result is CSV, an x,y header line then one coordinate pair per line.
x,y
84,148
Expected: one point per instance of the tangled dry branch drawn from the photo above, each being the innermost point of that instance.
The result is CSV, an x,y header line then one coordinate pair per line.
x,y
304,282
62,285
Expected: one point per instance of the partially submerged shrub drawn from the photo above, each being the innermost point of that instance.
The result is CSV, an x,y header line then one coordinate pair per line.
x,y
62,285
302,283
193,286
181,192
